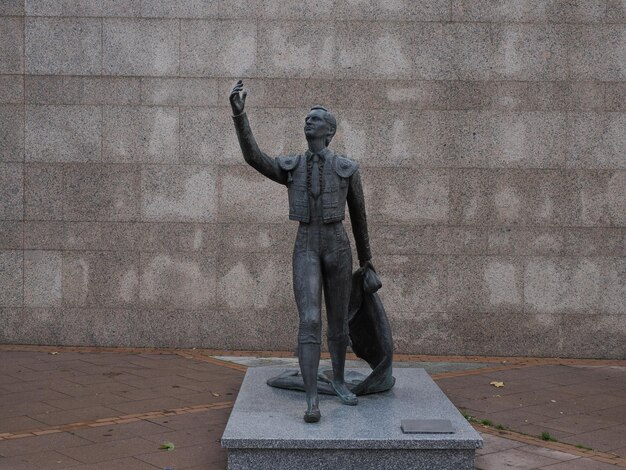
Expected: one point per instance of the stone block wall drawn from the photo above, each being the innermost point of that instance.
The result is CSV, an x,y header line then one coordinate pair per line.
x,y
491,135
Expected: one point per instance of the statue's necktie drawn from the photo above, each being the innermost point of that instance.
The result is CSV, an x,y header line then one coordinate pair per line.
x,y
315,176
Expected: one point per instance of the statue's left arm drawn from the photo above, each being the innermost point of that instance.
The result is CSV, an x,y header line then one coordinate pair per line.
x,y
356,206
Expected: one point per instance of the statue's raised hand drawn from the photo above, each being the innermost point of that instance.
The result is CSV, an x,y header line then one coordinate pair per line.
x,y
238,98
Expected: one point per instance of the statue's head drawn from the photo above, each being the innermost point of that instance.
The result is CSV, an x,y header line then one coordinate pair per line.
x,y
319,122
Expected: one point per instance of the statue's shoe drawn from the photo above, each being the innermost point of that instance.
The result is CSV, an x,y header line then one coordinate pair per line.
x,y
312,413
312,416
344,394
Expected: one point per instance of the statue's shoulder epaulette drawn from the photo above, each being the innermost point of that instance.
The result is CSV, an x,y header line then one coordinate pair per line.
x,y
345,167
289,162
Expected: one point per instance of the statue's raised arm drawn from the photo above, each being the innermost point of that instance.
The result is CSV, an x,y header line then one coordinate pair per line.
x,y
253,155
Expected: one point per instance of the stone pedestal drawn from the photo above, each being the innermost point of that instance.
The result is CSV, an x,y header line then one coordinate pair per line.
x,y
266,430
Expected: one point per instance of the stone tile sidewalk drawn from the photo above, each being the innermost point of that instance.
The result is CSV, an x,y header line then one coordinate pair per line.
x,y
90,409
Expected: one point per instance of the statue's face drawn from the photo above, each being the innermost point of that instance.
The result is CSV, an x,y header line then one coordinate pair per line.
x,y
315,125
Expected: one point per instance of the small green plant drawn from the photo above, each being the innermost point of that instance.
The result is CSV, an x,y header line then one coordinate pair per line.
x,y
469,417
167,446
547,437
500,427
486,422
580,446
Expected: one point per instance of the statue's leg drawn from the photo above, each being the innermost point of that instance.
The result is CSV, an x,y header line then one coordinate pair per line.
x,y
337,268
307,286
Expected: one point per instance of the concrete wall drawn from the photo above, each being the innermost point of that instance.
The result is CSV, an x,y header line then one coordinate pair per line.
x,y
492,137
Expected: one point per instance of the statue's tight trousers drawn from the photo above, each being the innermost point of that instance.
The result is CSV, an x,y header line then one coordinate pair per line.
x,y
322,260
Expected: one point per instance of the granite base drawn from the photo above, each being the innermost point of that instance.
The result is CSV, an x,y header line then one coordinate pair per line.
x,y
266,430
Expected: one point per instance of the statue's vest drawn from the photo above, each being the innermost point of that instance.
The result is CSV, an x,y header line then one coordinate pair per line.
x,y
335,181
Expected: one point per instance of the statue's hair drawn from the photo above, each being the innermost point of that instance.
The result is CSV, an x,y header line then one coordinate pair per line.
x,y
330,119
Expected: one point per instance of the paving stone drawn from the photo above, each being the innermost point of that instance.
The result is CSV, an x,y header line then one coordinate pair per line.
x,y
596,141
22,409
602,195
82,90
577,424
207,48
404,202
101,192
593,332
184,9
43,236
161,237
427,240
11,133
493,444
107,278
533,52
129,463
582,464
424,139
572,285
11,45
615,96
49,442
413,283
11,190
512,458
598,58
102,451
82,8
63,133
552,241
194,455
178,280
374,50
248,196
20,423
70,46
528,140
11,89
117,432
512,197
422,10
39,460
603,440
203,238
552,96
530,11
11,235
179,91
43,191
178,193
140,47
257,238
202,136
615,11
485,284
278,329
117,236
433,55
140,134
42,278
298,58
263,281
510,332
12,7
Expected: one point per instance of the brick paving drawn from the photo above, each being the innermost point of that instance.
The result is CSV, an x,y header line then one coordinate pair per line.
x,y
581,405
91,409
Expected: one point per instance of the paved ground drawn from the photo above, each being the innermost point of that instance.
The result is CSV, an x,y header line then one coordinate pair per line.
x,y
91,409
